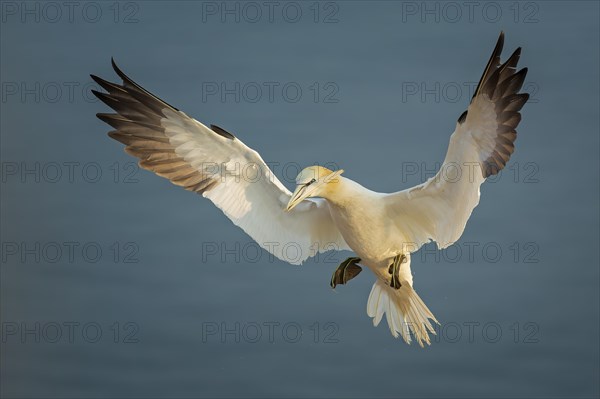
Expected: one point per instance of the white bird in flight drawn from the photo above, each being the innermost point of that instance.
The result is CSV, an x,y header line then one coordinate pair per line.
x,y
327,210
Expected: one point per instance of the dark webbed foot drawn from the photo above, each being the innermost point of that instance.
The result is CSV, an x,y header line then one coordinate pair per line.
x,y
345,272
394,270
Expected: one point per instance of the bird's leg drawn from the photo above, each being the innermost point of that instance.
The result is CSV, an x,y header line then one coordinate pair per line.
x,y
394,270
345,272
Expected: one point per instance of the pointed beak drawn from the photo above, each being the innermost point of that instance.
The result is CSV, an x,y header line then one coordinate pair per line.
x,y
304,191
297,197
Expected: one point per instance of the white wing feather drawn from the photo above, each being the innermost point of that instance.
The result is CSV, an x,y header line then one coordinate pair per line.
x,y
480,146
214,163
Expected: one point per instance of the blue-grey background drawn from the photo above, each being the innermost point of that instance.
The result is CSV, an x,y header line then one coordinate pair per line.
x,y
541,293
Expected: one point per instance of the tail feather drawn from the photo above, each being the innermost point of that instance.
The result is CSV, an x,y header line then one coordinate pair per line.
x,y
405,312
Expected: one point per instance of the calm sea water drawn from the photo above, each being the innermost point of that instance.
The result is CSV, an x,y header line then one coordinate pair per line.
x,y
116,283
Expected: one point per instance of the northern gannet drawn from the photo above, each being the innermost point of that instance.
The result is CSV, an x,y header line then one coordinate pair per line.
x,y
327,210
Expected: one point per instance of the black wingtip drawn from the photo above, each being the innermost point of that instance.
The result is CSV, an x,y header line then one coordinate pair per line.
x,y
94,78
222,132
105,98
500,42
124,78
462,117
128,83
494,58
97,79
501,37
118,70
514,57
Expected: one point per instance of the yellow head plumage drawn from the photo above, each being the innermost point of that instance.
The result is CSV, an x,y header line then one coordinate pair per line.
x,y
313,181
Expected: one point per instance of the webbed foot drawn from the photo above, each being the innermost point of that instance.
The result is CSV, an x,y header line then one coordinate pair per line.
x,y
345,272
394,270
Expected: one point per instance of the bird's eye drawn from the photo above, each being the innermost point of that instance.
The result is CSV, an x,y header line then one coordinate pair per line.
x,y
310,182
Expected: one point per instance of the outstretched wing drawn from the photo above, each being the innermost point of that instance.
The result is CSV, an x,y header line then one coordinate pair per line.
x,y
216,164
480,146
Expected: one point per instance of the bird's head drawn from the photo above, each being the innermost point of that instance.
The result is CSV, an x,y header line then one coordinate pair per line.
x,y
314,181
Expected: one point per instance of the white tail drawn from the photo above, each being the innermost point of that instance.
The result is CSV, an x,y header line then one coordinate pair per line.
x,y
405,311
